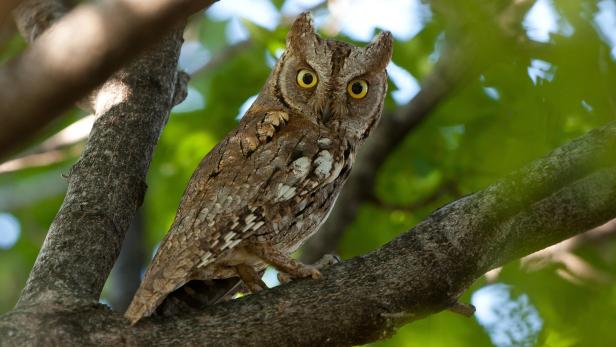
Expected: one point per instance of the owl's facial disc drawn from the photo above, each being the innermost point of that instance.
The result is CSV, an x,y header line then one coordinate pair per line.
x,y
333,83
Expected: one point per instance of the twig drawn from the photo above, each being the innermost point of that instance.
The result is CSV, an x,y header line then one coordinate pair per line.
x,y
463,309
49,157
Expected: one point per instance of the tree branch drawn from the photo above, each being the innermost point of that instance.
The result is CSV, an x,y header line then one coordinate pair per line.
x,y
108,183
366,298
64,64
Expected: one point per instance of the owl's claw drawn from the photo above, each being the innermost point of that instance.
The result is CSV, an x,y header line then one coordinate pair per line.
x,y
250,277
283,278
302,272
312,270
327,261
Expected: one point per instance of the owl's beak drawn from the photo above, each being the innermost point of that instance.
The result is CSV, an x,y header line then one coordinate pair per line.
x,y
326,114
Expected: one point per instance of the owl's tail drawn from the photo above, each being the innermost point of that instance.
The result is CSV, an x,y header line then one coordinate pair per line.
x,y
150,294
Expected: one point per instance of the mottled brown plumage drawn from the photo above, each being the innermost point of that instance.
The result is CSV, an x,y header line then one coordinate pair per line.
x,y
271,182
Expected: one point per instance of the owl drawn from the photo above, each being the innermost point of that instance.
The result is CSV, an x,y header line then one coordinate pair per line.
x,y
272,181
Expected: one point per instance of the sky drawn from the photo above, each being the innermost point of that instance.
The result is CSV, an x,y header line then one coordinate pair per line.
x,y
605,22
510,321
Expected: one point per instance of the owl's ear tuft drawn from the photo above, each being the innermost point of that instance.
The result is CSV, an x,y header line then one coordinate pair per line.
x,y
302,33
379,51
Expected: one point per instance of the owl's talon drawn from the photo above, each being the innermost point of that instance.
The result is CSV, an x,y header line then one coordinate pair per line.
x,y
310,271
250,277
316,274
303,272
283,278
326,261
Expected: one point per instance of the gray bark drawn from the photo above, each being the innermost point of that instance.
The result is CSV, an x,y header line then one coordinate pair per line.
x,y
108,183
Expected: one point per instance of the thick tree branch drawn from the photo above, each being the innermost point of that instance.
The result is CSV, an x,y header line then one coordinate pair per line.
x,y
366,298
107,184
75,55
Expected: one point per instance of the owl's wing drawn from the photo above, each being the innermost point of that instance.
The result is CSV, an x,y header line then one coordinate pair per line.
x,y
266,164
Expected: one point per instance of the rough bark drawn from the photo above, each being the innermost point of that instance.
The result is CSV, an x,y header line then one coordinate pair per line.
x,y
64,64
108,183
366,298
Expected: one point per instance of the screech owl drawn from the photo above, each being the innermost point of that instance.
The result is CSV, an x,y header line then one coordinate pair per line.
x,y
272,181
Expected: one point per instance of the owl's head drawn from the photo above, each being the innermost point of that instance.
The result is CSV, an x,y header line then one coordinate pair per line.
x,y
334,83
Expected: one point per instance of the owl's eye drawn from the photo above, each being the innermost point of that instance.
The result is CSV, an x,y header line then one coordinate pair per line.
x,y
357,89
306,78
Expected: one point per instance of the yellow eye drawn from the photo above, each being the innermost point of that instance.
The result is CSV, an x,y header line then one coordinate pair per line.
x,y
357,89
306,78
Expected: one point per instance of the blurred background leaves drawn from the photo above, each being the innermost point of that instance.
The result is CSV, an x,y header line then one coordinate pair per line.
x,y
533,91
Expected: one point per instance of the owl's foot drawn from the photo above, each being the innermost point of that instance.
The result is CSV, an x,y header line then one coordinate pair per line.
x,y
327,261
283,277
286,265
250,277
306,271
